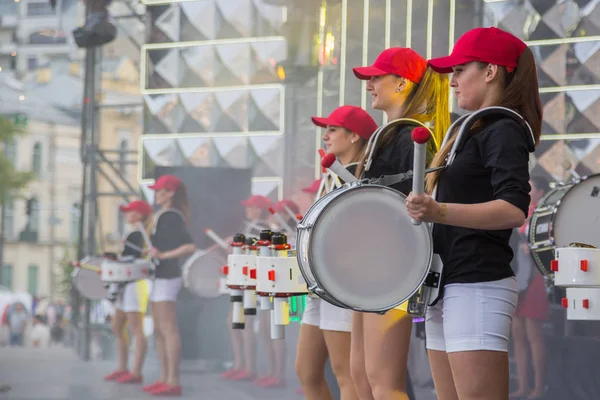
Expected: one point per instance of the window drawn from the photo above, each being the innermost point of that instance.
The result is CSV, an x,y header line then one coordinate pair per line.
x,y
10,152
121,224
36,159
40,9
123,149
33,272
34,217
8,7
7,276
9,220
32,63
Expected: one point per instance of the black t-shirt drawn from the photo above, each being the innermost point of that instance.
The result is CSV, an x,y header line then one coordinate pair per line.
x,y
136,239
170,234
395,158
492,165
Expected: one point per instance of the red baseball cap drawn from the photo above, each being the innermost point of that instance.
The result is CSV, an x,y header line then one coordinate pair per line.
x,y
488,45
257,201
400,61
280,206
313,188
169,182
139,206
353,118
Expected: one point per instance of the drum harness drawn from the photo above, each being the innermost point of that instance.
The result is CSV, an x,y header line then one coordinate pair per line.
x,y
464,124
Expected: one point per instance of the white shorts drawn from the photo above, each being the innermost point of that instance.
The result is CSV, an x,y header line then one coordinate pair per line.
x,y
165,289
134,298
472,316
326,316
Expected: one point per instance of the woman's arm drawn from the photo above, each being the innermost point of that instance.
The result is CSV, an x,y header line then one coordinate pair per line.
x,y
493,215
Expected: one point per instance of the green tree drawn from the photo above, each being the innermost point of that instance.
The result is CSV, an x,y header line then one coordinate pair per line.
x,y
11,180
63,277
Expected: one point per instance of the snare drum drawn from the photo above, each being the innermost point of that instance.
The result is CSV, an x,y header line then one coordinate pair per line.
x,y
202,272
373,268
86,279
123,271
568,213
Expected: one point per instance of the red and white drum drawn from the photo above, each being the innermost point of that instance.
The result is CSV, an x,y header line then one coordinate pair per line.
x,y
126,270
576,267
582,304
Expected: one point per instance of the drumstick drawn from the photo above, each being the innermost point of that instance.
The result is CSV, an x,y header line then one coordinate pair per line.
x,y
134,247
147,241
420,136
280,219
291,213
216,238
330,162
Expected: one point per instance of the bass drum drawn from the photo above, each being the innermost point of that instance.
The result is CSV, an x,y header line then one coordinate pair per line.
x,y
357,248
202,272
569,213
86,279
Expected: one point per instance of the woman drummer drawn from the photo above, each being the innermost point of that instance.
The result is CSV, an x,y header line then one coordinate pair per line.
x,y
325,329
170,242
401,85
133,301
481,196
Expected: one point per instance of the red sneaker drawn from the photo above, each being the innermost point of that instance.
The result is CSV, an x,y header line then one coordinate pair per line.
x,y
167,390
113,376
242,375
153,386
129,378
260,381
273,383
229,373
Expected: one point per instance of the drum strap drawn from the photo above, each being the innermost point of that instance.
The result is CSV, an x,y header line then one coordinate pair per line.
x,y
389,180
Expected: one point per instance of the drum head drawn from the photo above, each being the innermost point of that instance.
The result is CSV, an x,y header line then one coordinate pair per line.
x,y
578,216
89,284
202,273
366,253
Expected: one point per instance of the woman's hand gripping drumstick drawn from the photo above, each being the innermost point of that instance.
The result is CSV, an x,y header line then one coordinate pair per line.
x,y
420,206
330,162
151,251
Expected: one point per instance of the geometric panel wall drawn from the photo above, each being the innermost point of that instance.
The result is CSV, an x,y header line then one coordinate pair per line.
x,y
565,39
211,90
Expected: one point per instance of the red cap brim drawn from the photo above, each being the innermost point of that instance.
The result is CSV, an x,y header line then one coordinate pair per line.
x,y
323,122
366,73
443,65
153,187
124,208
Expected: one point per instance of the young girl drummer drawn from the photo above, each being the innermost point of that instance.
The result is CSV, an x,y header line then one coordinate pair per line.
x,y
171,241
325,329
133,301
402,86
481,196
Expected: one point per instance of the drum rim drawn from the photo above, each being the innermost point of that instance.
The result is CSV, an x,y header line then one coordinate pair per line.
x,y
185,271
555,209
73,282
319,282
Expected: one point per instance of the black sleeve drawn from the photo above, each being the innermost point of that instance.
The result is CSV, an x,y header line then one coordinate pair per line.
x,y
136,239
172,228
401,153
504,151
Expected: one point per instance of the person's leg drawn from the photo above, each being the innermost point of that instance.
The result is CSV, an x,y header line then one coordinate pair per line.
x,y
384,335
535,336
265,336
338,346
311,356
249,345
358,371
159,336
135,321
521,351
237,347
172,342
118,327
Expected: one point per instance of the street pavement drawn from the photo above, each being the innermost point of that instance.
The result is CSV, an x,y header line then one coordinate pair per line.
x,y
58,373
